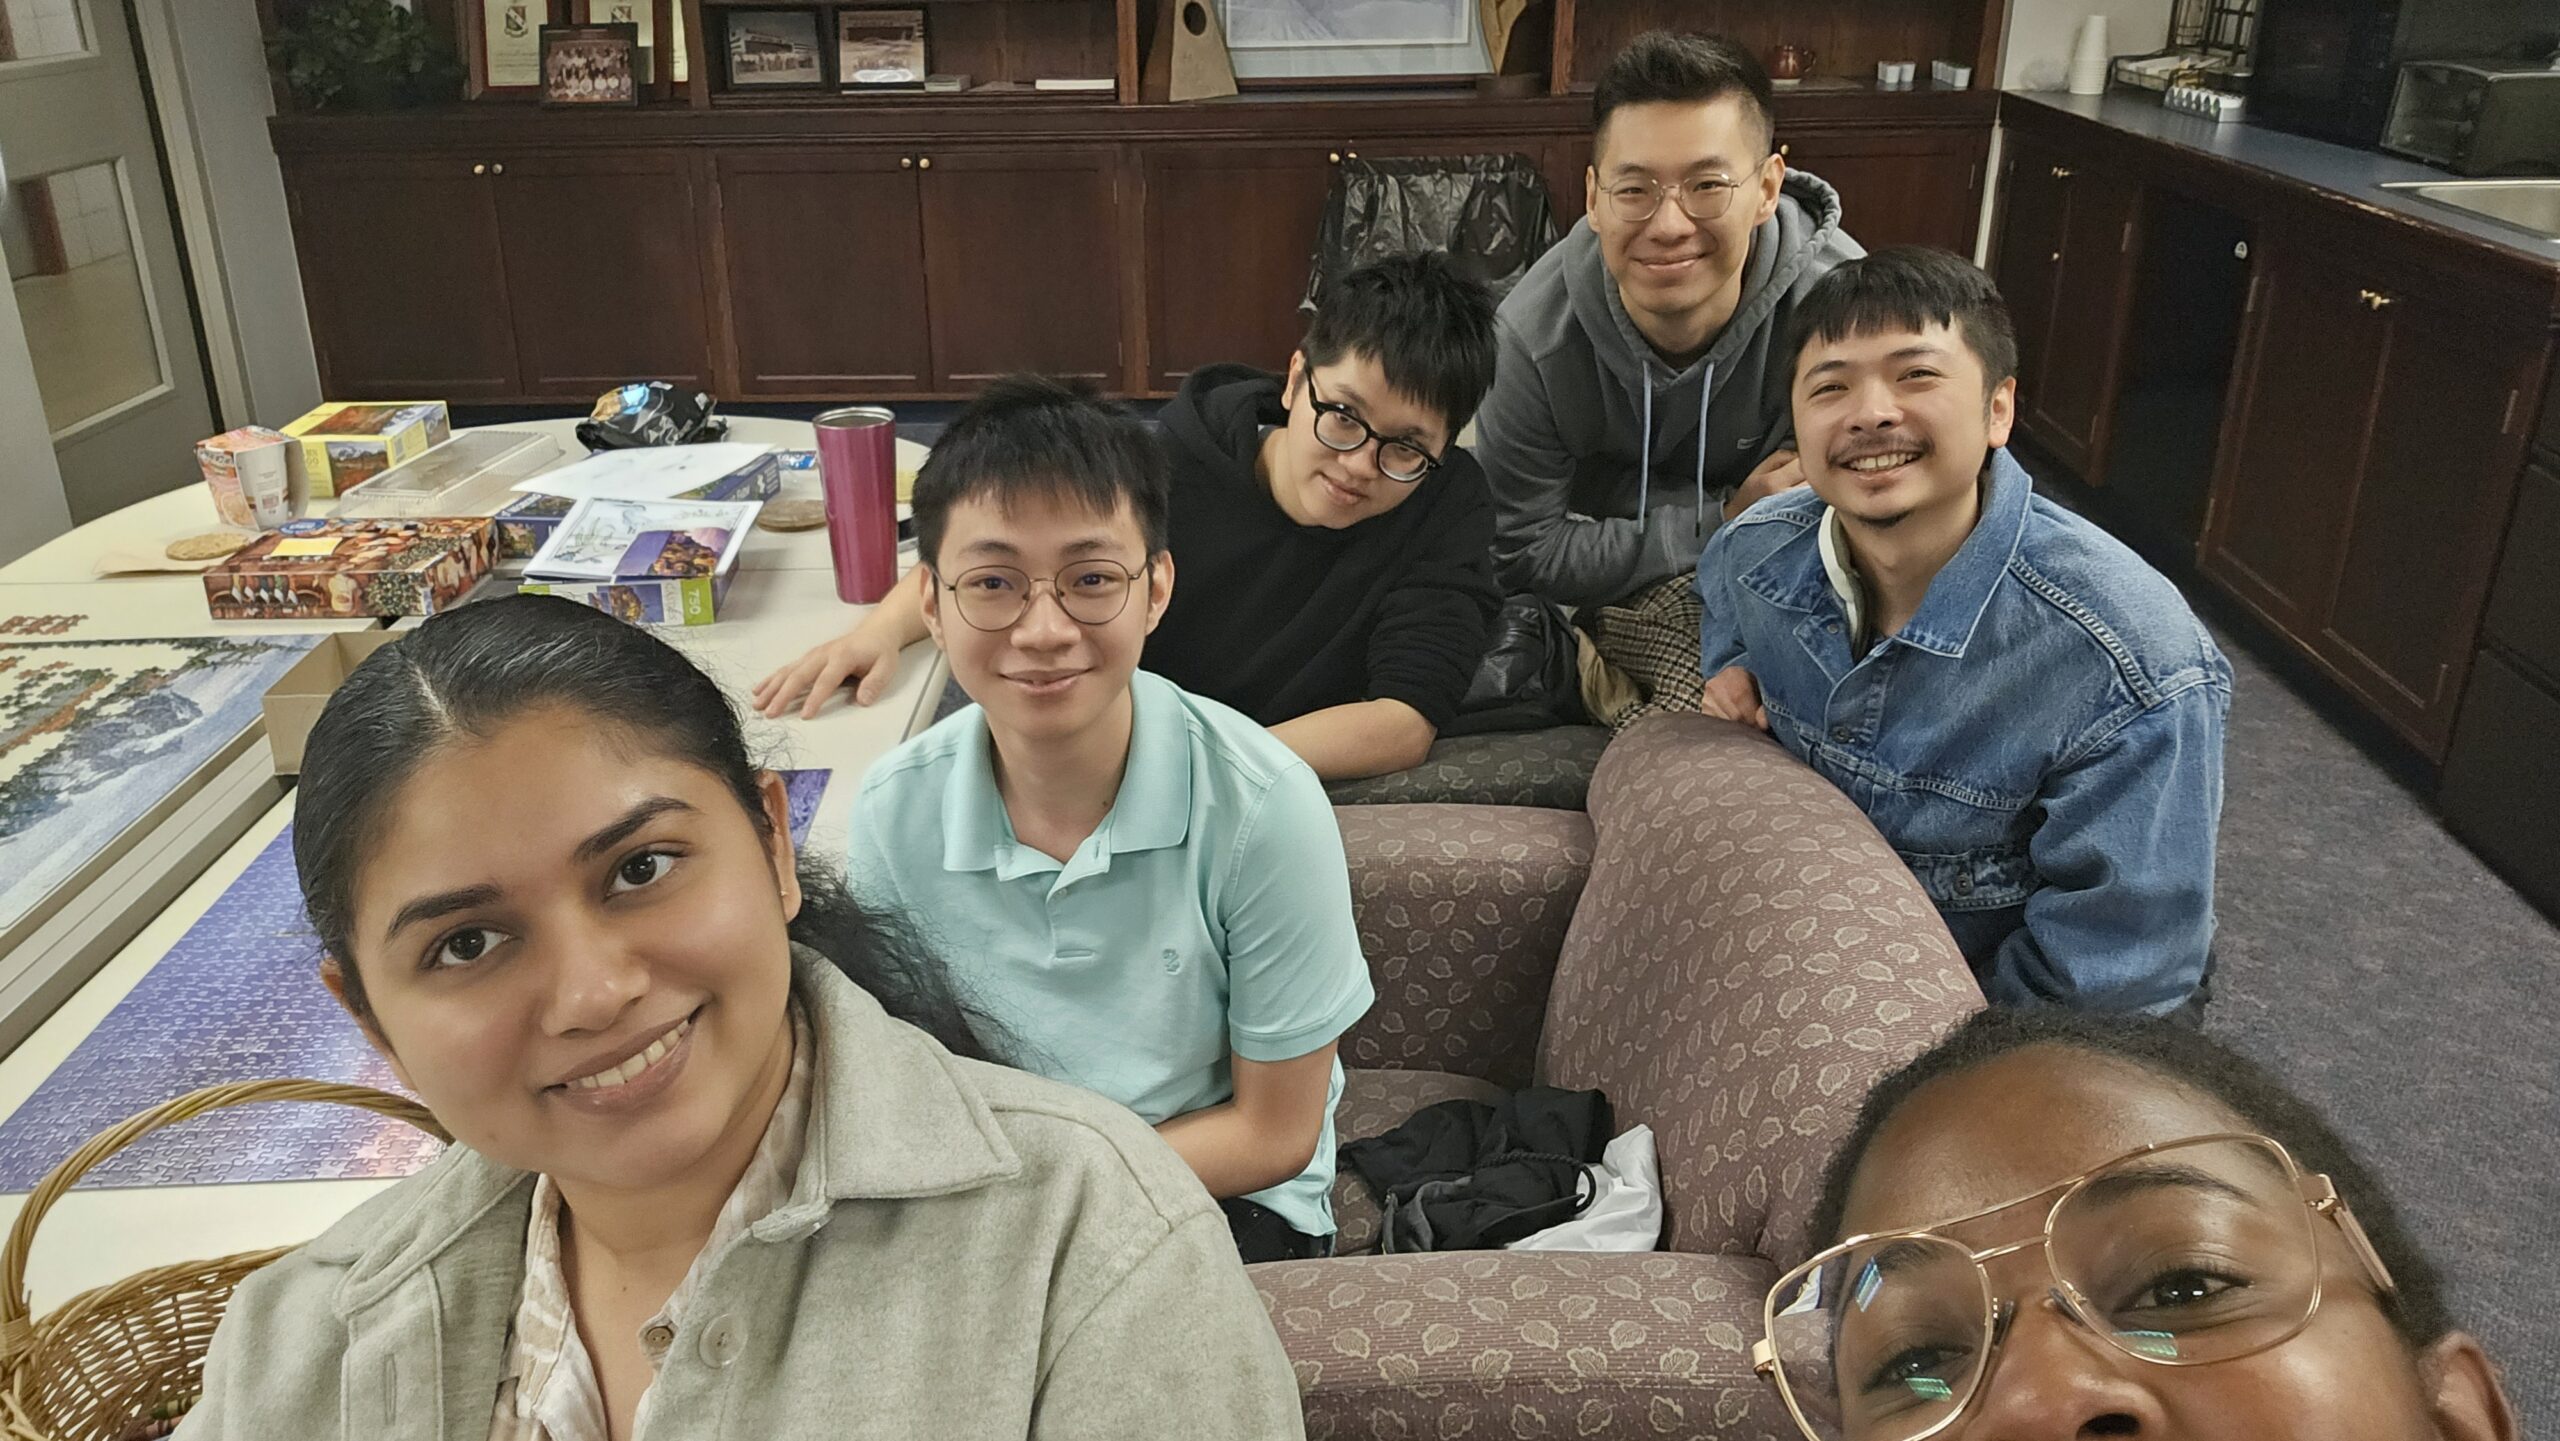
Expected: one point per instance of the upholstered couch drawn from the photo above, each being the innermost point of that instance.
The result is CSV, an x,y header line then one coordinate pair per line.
x,y
1549,768
1723,945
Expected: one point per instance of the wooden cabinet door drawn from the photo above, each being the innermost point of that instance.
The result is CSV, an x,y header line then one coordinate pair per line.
x,y
1230,233
1023,249
401,277
2027,254
2295,440
823,252
1917,188
2075,377
2439,480
604,262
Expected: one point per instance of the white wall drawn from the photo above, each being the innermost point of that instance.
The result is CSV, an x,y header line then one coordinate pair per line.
x,y
2036,52
210,71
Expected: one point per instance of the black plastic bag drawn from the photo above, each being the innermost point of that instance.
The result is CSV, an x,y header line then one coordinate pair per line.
x,y
649,412
1531,677
1488,212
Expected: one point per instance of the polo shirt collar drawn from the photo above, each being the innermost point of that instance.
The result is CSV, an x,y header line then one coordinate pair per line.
x,y
1152,810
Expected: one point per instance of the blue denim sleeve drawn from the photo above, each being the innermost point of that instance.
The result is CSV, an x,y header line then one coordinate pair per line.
x,y
2123,914
1719,627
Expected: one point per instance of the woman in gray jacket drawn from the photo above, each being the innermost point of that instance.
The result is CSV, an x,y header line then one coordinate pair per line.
x,y
729,1160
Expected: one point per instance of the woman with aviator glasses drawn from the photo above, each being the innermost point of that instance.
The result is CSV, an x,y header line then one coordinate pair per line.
x,y
2065,1226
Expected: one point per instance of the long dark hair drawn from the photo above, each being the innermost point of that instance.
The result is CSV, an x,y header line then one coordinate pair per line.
x,y
2189,1058
468,672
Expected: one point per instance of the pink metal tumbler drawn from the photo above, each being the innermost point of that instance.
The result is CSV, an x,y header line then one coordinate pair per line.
x,y
858,472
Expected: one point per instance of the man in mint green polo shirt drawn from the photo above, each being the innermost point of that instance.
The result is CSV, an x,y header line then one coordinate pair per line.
x,y
1142,887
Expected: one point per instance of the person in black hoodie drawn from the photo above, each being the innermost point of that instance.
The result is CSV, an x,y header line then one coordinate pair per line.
x,y
1334,542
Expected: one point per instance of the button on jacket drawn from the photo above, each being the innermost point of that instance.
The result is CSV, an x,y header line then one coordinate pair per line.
x,y
967,1252
2042,742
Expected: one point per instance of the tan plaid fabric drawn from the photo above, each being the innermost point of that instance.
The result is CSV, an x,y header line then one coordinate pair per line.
x,y
549,1392
1643,657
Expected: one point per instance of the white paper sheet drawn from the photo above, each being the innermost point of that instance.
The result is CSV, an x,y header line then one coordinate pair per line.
x,y
658,472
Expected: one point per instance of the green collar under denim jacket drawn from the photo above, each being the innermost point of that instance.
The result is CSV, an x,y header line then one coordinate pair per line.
x,y
968,1251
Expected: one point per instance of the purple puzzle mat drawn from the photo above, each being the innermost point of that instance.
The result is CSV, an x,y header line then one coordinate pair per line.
x,y
236,999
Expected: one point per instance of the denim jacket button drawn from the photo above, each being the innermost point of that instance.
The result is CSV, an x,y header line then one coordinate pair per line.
x,y
1840,734
1964,884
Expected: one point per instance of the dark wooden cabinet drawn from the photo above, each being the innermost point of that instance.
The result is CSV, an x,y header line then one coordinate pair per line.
x,y
604,270
2502,773
823,255
1022,263
1230,233
2367,473
402,277
1921,187
2066,267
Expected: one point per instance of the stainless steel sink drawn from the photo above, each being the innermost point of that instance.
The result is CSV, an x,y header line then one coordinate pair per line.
x,y
2530,205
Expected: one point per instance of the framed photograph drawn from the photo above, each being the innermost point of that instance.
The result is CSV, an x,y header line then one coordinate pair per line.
x,y
590,65
660,25
880,49
775,49
1354,39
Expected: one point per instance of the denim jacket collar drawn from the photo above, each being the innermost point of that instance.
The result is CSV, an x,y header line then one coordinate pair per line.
x,y
1792,577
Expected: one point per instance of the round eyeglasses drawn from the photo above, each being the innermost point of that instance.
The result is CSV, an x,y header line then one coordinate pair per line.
x,y
2179,1254
1339,430
1635,199
996,597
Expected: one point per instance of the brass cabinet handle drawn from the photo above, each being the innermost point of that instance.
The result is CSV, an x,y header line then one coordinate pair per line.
x,y
2373,299
2055,256
500,168
1782,150
924,162
906,162
480,169
2062,172
1333,157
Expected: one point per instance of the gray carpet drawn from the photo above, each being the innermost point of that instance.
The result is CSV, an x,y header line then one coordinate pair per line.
x,y
2370,959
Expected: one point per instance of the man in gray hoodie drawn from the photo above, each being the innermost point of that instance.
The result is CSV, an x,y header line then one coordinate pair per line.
x,y
1641,395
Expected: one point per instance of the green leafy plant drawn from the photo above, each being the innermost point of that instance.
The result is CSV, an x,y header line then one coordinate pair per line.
x,y
364,55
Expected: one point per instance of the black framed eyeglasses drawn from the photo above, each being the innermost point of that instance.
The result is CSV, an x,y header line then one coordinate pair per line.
x,y
996,597
1636,199
1339,430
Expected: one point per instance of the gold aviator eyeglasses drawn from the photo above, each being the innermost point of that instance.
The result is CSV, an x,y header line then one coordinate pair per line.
x,y
2182,1253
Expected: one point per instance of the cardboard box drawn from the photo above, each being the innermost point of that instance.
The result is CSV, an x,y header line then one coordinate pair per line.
x,y
293,704
343,442
221,457
645,562
526,522
338,568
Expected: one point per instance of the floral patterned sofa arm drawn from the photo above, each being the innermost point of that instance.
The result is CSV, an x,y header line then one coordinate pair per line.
x,y
1526,1343
1462,910
1748,957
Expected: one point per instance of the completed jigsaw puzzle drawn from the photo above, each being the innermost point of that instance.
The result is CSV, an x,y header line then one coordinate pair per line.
x,y
236,999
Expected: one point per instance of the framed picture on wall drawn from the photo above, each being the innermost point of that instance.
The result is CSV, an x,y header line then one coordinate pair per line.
x,y
880,49
590,65
660,26
502,44
774,49
1365,39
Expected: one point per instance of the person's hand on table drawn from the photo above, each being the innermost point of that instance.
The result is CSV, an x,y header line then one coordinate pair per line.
x,y
852,656
1781,471
1732,694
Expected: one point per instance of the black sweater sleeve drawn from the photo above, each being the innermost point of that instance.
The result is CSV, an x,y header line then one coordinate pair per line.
x,y
1437,617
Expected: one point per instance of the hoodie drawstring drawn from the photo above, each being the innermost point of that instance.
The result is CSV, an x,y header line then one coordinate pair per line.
x,y
1644,470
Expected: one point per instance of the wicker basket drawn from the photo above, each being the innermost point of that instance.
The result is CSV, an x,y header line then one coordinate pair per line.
x,y
106,1358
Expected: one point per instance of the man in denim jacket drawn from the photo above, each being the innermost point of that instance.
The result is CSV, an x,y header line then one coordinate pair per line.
x,y
2028,712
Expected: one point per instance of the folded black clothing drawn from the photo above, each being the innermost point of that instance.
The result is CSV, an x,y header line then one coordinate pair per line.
x,y
1472,1175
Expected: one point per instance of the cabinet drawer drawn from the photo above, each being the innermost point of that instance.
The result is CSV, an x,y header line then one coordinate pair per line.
x,y
2502,778
2524,605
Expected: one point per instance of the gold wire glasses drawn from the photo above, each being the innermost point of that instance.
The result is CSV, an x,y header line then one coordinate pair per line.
x,y
1636,199
996,597
2180,1254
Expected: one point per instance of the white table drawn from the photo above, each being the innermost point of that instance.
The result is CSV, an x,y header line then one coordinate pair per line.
x,y
782,602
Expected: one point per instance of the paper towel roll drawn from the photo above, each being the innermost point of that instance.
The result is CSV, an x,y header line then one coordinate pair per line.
x,y
2089,58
